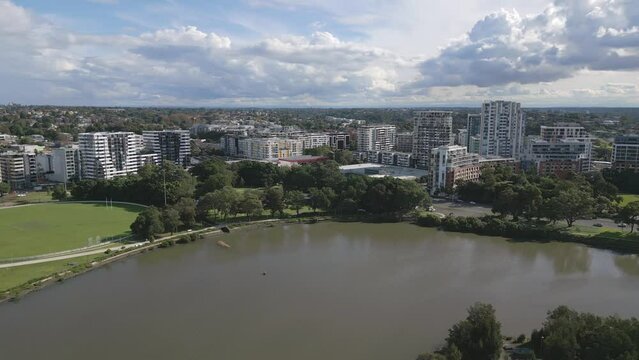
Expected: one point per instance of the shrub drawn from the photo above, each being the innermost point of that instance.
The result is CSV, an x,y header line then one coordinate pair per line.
x,y
429,220
183,240
166,244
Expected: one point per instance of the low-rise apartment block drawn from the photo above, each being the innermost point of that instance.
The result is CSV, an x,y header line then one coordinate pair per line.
x,y
450,164
625,153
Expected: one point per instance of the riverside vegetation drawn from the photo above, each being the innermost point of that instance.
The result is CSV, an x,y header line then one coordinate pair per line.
x,y
565,335
525,205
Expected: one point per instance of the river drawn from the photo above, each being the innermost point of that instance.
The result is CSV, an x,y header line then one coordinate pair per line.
x,y
330,291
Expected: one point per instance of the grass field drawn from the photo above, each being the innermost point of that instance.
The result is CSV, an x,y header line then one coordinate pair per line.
x,y
45,228
14,276
629,198
30,198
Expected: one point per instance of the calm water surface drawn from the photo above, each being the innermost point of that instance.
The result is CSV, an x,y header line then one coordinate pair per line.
x,y
332,291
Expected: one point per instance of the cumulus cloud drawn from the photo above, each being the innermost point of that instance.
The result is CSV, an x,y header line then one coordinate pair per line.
x,y
505,54
569,36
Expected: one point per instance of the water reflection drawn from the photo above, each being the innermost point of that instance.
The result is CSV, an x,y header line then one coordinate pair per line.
x,y
628,264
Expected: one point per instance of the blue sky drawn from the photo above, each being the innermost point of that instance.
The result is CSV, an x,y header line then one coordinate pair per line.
x,y
319,53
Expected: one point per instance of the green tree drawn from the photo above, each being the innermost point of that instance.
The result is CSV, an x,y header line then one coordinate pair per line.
x,y
148,223
630,214
150,188
204,206
295,200
216,182
273,199
298,178
187,210
478,337
171,219
321,198
59,193
250,204
4,188
572,204
225,201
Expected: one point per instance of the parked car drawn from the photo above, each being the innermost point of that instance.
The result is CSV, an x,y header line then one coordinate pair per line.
x,y
597,224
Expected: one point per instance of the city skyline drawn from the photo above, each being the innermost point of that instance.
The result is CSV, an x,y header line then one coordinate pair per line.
x,y
296,53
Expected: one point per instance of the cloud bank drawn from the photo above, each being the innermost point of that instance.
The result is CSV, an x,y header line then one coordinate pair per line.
x,y
504,54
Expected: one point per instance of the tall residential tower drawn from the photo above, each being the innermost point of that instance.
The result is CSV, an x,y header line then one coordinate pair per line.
x,y
431,129
170,145
502,129
105,155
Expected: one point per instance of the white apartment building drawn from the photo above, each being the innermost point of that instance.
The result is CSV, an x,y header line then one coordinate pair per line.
x,y
270,148
431,129
566,136
625,153
559,157
311,141
462,138
563,131
105,155
376,137
450,164
60,165
502,129
13,170
170,145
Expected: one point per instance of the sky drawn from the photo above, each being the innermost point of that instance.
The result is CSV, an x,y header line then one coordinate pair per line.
x,y
312,53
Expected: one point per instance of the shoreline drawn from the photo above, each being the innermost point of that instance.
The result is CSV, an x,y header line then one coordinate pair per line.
x,y
17,292
34,285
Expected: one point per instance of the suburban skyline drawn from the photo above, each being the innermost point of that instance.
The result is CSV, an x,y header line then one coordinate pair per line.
x,y
303,53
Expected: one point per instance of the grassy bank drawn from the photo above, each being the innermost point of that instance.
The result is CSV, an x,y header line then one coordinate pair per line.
x,y
15,276
52,227
627,198
622,242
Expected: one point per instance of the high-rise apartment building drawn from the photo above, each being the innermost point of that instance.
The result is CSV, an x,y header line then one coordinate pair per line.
x,y
376,137
625,153
60,165
502,129
431,129
473,129
404,142
105,155
170,145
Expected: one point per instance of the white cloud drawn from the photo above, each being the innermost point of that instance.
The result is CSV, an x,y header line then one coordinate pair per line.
x,y
575,49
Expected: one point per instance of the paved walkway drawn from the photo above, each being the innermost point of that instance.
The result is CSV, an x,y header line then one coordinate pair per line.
x,y
69,256
209,230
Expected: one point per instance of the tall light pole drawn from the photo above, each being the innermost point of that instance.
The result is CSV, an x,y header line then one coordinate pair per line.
x,y
164,181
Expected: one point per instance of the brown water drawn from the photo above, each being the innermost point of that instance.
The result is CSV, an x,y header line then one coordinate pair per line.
x,y
332,291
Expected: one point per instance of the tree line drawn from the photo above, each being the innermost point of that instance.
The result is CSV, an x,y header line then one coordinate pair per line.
x,y
529,196
214,191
